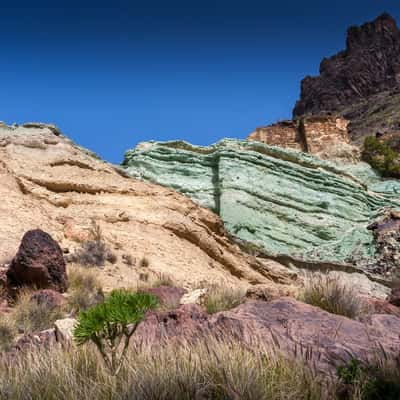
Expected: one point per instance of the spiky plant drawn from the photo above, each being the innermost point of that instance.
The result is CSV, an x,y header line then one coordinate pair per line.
x,y
111,324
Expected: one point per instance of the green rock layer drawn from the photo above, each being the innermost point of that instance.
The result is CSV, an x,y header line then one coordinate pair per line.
x,y
282,200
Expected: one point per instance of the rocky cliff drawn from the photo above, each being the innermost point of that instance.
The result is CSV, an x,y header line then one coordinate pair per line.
x,y
361,83
285,201
325,136
48,182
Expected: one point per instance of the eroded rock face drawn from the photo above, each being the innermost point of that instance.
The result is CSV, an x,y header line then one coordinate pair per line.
x,y
38,263
284,201
324,136
387,239
48,182
362,83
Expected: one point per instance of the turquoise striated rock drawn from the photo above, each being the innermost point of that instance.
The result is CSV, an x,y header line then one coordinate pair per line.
x,y
281,200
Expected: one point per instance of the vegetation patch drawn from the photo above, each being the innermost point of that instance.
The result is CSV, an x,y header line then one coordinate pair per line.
x,y
31,316
330,293
111,324
210,369
381,157
93,252
85,289
376,380
222,298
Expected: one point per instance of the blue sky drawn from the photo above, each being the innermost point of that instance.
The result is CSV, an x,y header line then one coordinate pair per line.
x,y
112,74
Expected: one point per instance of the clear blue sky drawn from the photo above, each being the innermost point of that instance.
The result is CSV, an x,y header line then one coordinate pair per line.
x,y
111,74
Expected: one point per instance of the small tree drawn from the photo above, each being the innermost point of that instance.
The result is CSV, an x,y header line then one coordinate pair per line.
x,y
111,324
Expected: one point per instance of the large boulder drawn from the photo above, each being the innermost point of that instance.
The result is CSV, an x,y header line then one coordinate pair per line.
x,y
39,263
285,324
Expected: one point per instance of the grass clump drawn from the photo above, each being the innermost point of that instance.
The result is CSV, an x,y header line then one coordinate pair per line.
x,y
111,324
162,280
209,369
144,262
381,157
330,293
379,379
30,316
222,298
8,332
85,289
93,252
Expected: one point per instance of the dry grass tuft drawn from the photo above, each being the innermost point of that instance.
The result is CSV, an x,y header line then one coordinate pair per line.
x,y
8,332
144,262
330,293
162,280
93,252
210,369
30,316
222,298
85,289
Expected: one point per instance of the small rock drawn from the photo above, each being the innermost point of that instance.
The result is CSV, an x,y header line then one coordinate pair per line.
x,y
49,297
269,292
194,297
394,297
64,329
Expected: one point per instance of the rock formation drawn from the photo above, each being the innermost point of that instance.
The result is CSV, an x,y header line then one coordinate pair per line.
x,y
361,83
295,325
287,202
324,136
38,263
50,183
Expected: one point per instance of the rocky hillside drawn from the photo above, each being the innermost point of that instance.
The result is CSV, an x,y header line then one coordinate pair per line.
x,y
48,182
285,202
361,83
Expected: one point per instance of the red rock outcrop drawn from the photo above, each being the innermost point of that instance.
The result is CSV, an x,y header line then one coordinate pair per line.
x,y
285,323
39,263
323,135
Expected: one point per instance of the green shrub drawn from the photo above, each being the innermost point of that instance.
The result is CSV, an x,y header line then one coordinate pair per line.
x,y
375,380
222,298
111,324
330,293
381,157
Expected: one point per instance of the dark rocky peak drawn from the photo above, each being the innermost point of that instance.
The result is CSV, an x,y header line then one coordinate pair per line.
x,y
382,30
359,81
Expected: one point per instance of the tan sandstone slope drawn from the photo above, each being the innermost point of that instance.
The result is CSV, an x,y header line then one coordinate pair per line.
x,y
48,182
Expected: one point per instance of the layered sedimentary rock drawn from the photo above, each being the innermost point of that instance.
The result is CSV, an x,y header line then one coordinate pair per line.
x,y
361,83
48,182
282,200
324,136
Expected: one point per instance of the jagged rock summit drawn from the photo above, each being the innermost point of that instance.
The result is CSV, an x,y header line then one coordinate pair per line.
x,y
48,182
361,83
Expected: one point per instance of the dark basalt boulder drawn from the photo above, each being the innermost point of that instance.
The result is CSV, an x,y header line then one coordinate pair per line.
x,y
38,263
